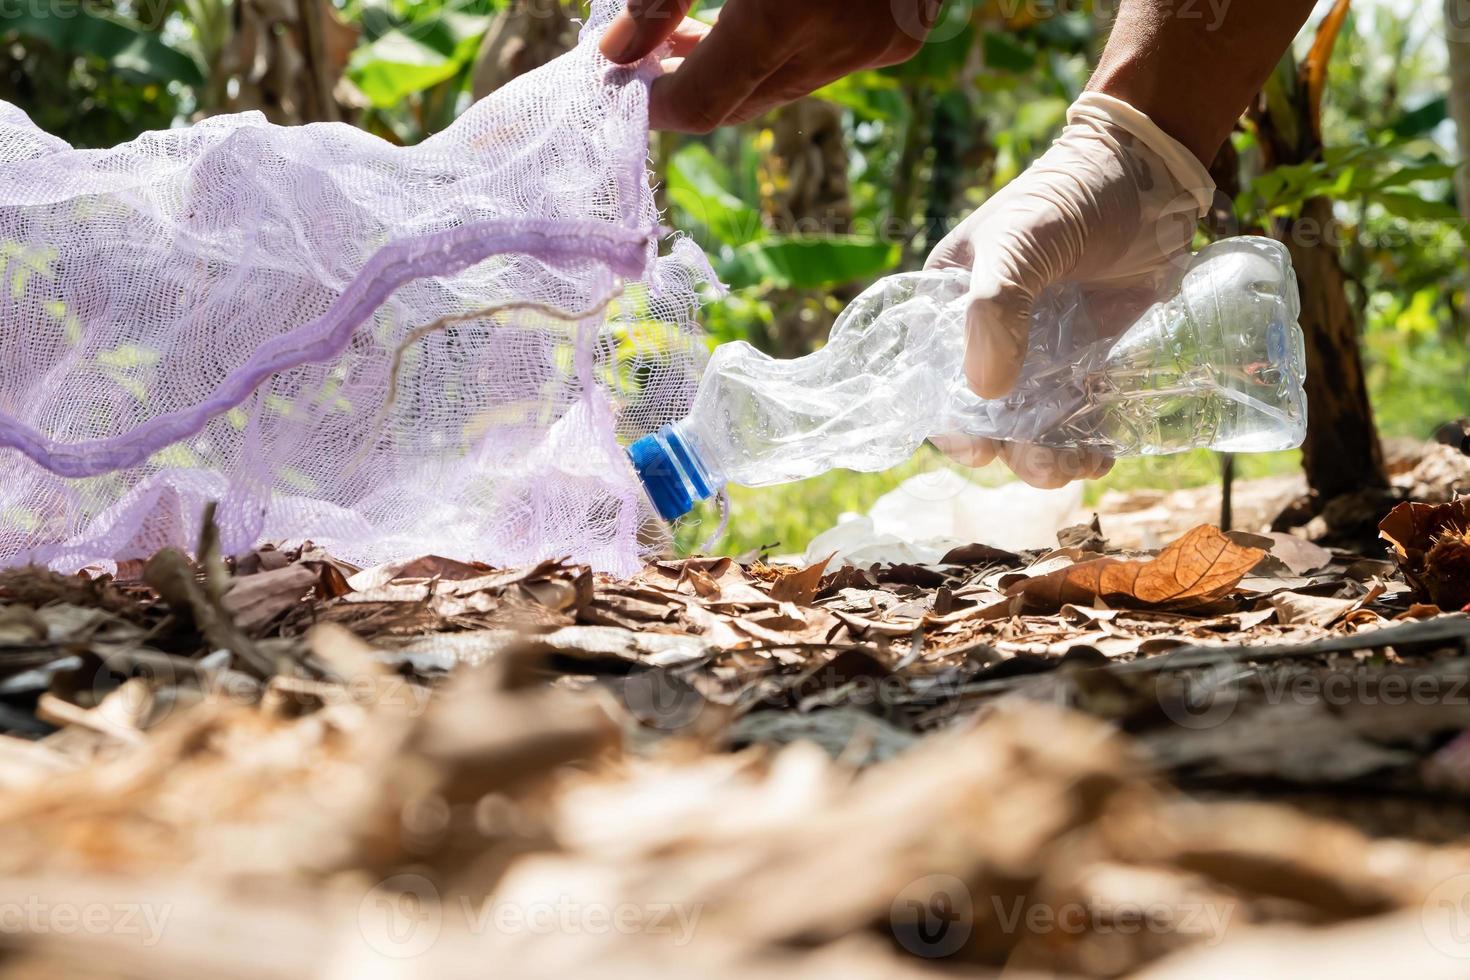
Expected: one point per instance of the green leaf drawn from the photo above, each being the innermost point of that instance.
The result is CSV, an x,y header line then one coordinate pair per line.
x,y
1435,170
1070,30
1418,121
1280,90
395,66
697,184
940,62
1002,51
807,262
128,46
867,93
1413,207
1040,119
1070,71
407,60
1340,184
945,51
1418,318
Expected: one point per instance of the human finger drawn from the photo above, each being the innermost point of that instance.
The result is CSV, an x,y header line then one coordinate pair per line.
x,y
641,27
718,75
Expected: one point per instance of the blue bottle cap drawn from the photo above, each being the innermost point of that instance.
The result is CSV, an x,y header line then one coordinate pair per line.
x,y
671,472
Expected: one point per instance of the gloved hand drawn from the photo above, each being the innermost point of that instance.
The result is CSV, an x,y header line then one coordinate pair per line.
x,y
1110,206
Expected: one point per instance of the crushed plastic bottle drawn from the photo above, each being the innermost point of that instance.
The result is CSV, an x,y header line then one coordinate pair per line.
x,y
1219,363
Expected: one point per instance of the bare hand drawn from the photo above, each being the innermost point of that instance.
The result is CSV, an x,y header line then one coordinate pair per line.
x,y
760,54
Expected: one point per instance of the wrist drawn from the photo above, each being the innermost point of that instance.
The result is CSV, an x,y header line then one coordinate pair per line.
x,y
1183,120
1190,176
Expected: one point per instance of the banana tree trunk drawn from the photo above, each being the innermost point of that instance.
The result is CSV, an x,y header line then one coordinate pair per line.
x,y
1457,41
285,58
523,36
806,171
1342,453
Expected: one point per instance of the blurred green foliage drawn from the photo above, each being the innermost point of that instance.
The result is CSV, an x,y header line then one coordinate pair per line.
x,y
922,144
414,61
94,73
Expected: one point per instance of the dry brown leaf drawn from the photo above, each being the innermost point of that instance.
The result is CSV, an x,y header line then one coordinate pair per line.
x,y
871,627
173,577
716,580
405,593
1431,543
1201,566
496,581
346,653
628,611
993,607
1088,537
266,558
1298,555
704,584
775,620
1003,581
332,573
801,586
979,554
427,567
256,600
351,774
1296,609
566,593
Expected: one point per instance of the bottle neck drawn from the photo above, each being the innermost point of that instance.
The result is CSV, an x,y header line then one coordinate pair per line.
x,y
673,469
691,460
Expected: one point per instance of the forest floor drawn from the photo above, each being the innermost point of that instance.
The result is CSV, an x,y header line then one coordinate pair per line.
x,y
1242,753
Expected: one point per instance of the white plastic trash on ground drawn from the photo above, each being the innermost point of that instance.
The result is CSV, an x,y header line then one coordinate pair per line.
x,y
932,513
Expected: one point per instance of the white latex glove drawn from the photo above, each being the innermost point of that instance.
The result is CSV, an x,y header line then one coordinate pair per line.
x,y
1111,205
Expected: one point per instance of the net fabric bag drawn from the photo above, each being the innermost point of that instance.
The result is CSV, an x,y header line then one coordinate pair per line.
x,y
389,351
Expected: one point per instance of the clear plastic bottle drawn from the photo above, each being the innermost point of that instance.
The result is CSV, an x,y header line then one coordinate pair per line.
x,y
1219,363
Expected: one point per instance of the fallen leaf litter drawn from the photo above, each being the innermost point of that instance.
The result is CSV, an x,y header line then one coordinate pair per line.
x,y
1071,762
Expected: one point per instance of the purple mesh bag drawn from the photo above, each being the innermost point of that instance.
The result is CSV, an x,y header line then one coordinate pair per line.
x,y
389,351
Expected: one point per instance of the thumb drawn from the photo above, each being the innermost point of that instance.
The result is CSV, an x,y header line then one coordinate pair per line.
x,y
998,322
641,28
